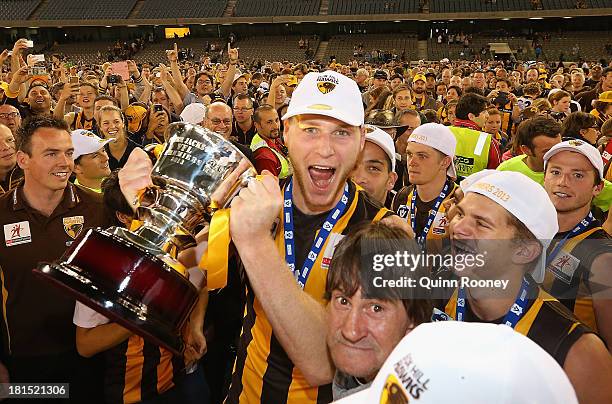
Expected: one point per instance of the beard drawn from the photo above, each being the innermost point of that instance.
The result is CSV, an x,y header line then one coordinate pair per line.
x,y
341,177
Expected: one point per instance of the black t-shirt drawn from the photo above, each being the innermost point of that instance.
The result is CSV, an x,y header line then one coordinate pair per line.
x,y
113,163
422,213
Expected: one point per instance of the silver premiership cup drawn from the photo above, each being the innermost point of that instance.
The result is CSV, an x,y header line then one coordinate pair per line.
x,y
133,277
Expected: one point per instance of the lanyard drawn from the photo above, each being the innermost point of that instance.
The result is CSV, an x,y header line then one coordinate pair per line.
x,y
514,314
331,220
422,238
582,226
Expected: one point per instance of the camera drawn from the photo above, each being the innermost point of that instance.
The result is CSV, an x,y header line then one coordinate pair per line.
x,y
158,108
37,71
501,99
113,79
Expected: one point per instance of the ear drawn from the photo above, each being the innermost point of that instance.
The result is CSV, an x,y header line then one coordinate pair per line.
x,y
527,251
286,127
598,188
362,132
77,169
525,150
471,116
446,162
391,180
22,159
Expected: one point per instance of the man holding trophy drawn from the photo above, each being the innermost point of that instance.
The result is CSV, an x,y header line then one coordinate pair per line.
x,y
285,237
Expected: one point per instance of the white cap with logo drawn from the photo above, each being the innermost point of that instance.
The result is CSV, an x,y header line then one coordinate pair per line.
x,y
487,363
440,138
578,146
86,142
383,140
330,94
524,199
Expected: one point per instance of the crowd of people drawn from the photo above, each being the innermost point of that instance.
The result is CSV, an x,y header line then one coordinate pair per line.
x,y
510,161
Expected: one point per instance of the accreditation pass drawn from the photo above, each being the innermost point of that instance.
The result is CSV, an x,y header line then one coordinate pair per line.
x,y
34,390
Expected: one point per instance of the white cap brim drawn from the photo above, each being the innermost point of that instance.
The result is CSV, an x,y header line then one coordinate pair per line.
x,y
592,157
318,111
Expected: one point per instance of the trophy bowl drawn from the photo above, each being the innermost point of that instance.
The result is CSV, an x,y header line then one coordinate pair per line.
x,y
132,276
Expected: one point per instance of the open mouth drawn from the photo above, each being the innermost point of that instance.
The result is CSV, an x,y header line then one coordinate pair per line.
x,y
462,248
61,175
561,195
112,133
321,176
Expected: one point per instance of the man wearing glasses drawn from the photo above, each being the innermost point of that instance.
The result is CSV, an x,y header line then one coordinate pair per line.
x,y
219,119
244,127
10,116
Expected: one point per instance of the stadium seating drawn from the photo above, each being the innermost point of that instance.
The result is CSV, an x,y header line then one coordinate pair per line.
x,y
348,7
342,46
86,10
454,6
591,44
274,48
17,9
156,52
259,8
438,51
184,8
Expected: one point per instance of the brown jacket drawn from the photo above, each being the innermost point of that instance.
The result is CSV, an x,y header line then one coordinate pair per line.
x,y
36,316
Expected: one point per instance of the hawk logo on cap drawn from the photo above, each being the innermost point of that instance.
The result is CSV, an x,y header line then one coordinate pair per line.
x,y
73,225
326,87
326,83
575,142
393,393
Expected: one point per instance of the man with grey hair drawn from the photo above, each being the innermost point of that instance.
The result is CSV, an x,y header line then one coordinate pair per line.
x,y
219,119
361,78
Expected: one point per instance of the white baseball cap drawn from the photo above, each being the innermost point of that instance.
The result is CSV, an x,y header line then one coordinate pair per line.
x,y
440,138
383,140
194,113
237,75
487,363
578,146
86,142
330,94
526,200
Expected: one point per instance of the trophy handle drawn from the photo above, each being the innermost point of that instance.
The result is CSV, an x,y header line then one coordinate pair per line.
x,y
149,196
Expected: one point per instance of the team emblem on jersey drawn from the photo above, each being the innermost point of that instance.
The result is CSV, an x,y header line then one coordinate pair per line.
x,y
17,233
439,315
439,224
334,239
402,211
73,225
393,393
563,267
326,83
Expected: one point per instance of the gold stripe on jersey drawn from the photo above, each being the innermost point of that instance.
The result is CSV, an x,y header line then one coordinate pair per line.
x,y
266,374
582,301
547,322
434,235
133,370
80,122
4,299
